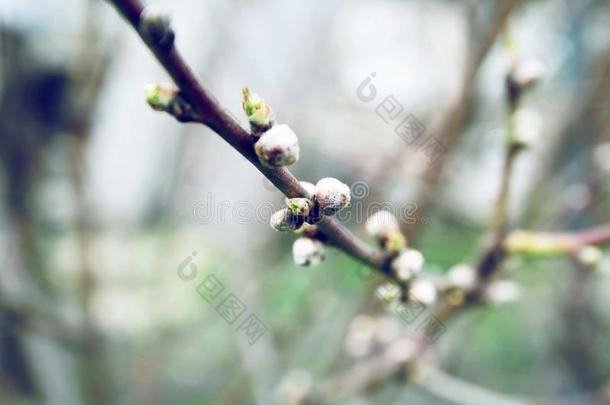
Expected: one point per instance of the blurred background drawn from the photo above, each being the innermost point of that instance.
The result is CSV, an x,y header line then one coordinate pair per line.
x,y
112,216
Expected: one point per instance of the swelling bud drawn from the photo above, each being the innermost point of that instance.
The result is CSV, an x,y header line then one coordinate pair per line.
x,y
407,263
381,223
307,251
300,206
284,221
278,147
259,114
331,195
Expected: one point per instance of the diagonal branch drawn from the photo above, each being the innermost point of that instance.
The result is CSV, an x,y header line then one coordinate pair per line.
x,y
214,116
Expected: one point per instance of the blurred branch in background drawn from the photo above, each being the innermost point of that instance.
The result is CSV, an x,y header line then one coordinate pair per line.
x,y
30,119
43,105
88,73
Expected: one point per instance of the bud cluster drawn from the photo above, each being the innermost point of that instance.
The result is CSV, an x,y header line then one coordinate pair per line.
x,y
276,145
383,226
328,196
405,263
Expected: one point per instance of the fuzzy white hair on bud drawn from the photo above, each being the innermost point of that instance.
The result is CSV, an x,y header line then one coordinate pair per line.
x,y
528,72
307,251
423,291
461,276
381,223
590,256
407,264
283,221
279,146
332,195
502,292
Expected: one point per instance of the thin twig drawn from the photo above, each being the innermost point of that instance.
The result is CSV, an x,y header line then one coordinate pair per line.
x,y
213,116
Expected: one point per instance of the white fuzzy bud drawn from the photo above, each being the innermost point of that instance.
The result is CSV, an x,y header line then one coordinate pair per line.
x,y
283,220
528,72
407,264
307,251
590,256
277,147
332,195
502,292
461,276
381,224
423,291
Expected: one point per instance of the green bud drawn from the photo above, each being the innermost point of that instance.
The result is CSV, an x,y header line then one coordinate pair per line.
x,y
160,97
300,206
168,98
259,114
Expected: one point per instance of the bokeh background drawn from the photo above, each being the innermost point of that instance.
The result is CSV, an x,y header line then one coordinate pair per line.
x,y
103,199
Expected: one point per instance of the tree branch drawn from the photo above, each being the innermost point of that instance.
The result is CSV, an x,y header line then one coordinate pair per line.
x,y
214,116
